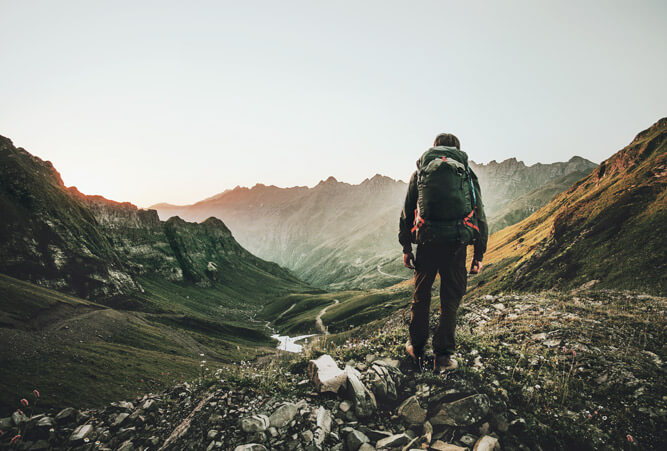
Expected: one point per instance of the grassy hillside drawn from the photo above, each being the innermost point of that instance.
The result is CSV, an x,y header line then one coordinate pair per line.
x,y
77,352
607,229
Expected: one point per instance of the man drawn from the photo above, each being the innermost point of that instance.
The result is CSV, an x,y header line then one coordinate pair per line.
x,y
443,213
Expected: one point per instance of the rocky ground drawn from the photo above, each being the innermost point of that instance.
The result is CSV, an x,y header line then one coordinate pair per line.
x,y
581,370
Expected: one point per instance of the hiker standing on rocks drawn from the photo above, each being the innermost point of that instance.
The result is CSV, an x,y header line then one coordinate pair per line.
x,y
443,213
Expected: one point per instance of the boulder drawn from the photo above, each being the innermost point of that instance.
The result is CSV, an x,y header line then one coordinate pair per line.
x,y
66,415
386,382
283,415
255,423
80,433
324,419
411,412
120,419
325,374
463,412
487,443
355,439
46,423
363,399
18,418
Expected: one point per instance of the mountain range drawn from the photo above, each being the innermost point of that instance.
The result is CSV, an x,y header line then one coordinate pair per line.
x,y
337,235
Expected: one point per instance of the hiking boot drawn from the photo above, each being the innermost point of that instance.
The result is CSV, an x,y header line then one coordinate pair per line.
x,y
416,358
443,363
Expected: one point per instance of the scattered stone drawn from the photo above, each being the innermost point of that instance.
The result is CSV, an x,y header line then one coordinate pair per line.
x,y
355,439
283,415
366,447
386,382
345,406
325,374
394,441
81,433
120,419
463,412
411,412
46,423
487,443
442,446
255,423
364,400
251,447
18,418
307,436
126,446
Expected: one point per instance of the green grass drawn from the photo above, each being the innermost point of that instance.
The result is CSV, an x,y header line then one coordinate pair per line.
x,y
82,354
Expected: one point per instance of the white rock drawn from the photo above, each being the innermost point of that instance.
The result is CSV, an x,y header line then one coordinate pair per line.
x,y
81,432
325,374
487,443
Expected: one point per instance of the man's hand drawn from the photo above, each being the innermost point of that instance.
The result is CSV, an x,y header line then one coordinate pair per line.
x,y
476,267
409,260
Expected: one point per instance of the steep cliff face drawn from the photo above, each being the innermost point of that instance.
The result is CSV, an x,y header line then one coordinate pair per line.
x,y
97,248
510,179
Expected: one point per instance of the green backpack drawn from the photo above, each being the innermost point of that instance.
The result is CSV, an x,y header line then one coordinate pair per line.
x,y
446,204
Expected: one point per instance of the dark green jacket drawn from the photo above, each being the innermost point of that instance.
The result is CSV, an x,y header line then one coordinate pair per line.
x,y
408,217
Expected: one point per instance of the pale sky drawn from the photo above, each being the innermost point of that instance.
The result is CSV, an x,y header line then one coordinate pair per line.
x,y
152,101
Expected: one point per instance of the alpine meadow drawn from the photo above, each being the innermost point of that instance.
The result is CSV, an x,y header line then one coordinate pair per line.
x,y
214,234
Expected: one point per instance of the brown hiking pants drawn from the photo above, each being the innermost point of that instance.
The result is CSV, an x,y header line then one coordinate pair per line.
x,y
450,262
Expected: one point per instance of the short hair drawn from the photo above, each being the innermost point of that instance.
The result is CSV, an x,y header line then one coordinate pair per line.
x,y
447,139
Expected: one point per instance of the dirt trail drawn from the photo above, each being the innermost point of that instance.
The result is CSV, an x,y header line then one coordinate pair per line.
x,y
391,275
283,313
318,320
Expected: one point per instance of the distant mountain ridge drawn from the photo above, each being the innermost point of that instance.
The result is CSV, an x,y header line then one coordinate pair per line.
x,y
338,235
510,179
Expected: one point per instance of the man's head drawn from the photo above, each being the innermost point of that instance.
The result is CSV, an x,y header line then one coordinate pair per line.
x,y
448,140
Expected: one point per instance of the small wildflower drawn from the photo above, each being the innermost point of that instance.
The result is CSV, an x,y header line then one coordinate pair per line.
x,y
97,442
86,440
24,402
20,412
15,439
555,397
35,393
630,439
604,417
537,386
574,353
590,416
